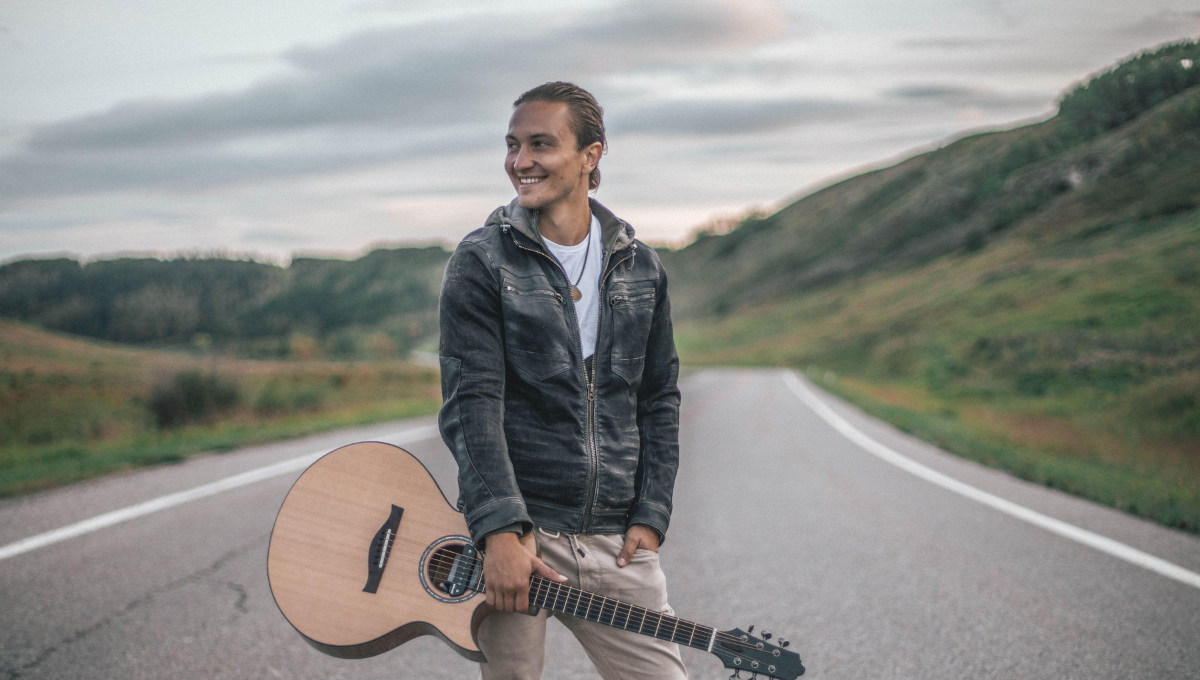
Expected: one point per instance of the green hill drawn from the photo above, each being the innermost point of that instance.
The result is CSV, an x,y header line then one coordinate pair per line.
x,y
1029,298
381,303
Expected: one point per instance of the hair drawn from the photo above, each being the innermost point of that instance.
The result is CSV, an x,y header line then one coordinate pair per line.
x,y
586,116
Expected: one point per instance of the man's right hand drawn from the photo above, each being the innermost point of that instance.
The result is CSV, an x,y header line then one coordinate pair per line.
x,y
506,569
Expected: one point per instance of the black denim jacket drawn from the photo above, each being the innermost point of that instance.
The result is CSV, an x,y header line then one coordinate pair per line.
x,y
537,442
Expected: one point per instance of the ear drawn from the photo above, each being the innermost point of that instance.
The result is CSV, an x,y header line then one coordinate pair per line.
x,y
591,157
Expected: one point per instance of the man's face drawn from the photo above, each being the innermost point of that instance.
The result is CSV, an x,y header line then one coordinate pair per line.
x,y
543,160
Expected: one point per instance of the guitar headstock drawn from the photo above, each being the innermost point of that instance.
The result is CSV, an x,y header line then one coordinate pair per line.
x,y
741,651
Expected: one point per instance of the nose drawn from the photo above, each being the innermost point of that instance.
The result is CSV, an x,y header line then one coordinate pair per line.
x,y
522,161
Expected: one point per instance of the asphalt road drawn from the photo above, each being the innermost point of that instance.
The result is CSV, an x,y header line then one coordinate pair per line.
x,y
780,521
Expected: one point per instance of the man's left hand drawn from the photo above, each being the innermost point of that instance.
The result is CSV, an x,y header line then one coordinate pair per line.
x,y
637,536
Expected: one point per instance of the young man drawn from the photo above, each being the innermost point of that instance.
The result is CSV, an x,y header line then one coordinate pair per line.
x,y
560,400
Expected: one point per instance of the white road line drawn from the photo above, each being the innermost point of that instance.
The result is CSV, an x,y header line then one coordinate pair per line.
x,y
171,500
1088,538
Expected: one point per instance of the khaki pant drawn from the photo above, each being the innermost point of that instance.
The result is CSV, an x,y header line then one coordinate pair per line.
x,y
515,644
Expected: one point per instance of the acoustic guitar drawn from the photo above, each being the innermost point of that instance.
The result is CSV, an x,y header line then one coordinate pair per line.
x,y
367,553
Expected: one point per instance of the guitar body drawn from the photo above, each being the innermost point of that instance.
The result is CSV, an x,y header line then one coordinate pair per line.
x,y
322,545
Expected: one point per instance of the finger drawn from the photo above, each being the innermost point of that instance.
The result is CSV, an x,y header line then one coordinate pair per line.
x,y
490,597
541,569
631,544
522,604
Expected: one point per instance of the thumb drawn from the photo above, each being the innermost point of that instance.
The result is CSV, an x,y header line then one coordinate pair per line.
x,y
540,568
631,544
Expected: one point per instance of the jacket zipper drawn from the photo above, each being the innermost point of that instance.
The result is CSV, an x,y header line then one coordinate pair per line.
x,y
535,292
595,461
592,453
619,299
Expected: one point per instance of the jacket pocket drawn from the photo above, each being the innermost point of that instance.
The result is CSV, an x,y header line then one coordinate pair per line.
x,y
537,366
632,314
536,338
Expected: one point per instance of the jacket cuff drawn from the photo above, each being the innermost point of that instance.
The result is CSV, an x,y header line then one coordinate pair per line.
x,y
652,515
497,515
517,528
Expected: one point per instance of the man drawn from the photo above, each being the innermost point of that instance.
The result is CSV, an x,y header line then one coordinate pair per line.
x,y
560,400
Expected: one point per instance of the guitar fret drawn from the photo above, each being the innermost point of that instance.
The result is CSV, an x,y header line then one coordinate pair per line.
x,y
578,597
565,599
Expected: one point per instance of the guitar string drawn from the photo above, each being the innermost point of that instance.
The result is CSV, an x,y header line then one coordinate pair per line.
x,y
442,560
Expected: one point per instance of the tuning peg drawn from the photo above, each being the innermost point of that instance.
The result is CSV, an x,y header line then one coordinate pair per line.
x,y
766,635
750,629
783,643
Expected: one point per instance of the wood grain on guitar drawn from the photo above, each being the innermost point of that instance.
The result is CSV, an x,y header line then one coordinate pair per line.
x,y
371,513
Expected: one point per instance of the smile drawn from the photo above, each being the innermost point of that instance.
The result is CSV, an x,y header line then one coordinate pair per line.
x,y
530,180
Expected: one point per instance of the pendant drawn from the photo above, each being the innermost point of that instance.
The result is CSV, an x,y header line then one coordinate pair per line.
x,y
575,294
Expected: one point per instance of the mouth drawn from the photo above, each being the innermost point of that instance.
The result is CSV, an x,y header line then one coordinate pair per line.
x,y
530,180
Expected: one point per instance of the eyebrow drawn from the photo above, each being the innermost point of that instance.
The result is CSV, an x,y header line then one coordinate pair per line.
x,y
536,135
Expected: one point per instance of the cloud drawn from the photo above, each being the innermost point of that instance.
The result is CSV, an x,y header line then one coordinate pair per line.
x,y
1164,23
723,116
931,92
953,43
403,92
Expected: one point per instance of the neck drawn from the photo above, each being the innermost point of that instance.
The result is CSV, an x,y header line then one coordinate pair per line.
x,y
566,221
581,604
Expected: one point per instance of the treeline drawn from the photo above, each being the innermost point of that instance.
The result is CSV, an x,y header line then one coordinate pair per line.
x,y
1121,94
380,304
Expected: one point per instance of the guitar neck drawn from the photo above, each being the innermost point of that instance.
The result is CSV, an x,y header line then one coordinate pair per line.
x,y
564,599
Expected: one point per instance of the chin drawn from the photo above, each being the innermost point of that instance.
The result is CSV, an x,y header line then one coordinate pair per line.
x,y
532,201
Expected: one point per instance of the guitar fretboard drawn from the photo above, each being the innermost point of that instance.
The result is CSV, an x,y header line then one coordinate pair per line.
x,y
564,599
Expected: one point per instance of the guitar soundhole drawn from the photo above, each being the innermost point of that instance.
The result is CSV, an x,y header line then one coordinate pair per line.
x,y
449,569
439,565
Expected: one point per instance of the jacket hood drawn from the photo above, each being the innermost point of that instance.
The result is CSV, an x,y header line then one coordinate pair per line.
x,y
615,233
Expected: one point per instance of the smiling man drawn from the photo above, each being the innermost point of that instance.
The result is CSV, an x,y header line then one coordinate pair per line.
x,y
559,396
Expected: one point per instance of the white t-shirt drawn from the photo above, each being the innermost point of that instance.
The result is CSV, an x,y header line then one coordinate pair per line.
x,y
587,310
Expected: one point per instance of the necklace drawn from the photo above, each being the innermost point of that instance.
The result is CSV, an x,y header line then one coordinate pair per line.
x,y
575,294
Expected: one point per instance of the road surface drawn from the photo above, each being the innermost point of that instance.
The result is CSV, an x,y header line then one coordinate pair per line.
x,y
780,520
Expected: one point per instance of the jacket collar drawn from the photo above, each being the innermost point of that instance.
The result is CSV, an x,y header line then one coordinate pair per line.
x,y
615,233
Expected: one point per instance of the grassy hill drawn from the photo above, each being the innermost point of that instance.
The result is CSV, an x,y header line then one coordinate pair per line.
x,y
1029,298
71,408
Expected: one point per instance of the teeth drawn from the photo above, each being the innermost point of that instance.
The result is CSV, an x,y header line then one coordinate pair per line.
x,y
530,180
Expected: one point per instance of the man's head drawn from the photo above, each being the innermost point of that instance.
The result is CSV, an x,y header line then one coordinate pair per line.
x,y
555,141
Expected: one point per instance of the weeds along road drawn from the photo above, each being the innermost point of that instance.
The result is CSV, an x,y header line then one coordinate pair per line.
x,y
780,521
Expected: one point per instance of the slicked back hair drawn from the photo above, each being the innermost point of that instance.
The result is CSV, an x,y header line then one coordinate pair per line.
x,y
587,117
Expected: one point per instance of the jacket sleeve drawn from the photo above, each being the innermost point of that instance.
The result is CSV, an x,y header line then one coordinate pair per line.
x,y
658,420
471,420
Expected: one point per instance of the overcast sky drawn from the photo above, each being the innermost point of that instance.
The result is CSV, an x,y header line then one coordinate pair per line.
x,y
278,127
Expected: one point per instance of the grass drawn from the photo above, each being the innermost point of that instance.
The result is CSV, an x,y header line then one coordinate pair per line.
x,y
72,409
1069,356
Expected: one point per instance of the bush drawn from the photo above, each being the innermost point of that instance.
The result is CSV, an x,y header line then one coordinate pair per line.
x,y
192,396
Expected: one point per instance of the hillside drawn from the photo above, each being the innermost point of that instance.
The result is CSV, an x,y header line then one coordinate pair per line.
x,y
378,305
72,408
1123,145
1029,298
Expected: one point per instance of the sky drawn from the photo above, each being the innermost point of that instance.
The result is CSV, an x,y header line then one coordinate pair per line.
x,y
276,128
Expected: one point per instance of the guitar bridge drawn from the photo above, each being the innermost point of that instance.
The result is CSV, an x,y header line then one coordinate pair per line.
x,y
381,549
